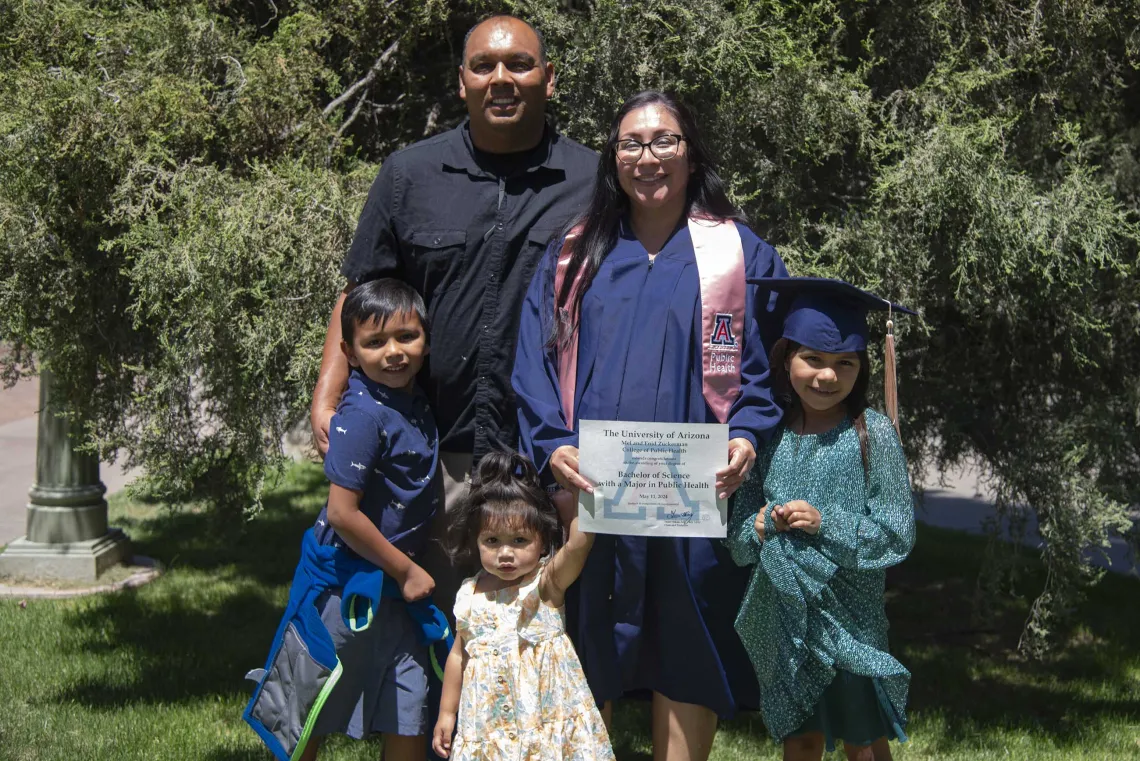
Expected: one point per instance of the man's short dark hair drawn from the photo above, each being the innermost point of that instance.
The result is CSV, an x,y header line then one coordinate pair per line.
x,y
380,300
533,28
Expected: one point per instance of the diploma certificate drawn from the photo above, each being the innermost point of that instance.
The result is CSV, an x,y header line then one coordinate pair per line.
x,y
652,479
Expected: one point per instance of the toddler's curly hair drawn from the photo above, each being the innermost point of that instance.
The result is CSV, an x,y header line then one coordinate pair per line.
x,y
505,491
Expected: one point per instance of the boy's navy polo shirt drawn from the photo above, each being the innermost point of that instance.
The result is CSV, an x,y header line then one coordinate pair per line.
x,y
383,442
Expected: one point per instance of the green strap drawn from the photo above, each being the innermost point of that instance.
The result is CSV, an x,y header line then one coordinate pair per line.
x,y
352,616
435,661
352,625
334,677
318,704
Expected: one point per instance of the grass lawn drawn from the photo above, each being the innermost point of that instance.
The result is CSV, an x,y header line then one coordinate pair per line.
x,y
156,673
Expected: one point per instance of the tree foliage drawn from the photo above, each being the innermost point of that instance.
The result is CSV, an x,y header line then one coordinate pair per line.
x,y
179,180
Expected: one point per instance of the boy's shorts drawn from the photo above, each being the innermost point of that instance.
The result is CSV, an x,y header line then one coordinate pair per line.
x,y
383,684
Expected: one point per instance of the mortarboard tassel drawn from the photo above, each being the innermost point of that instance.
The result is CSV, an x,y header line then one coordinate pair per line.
x,y
890,387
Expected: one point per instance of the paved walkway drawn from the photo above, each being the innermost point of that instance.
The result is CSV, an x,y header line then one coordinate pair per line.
x,y
19,406
961,504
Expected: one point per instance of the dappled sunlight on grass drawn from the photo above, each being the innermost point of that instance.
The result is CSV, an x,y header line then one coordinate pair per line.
x,y
157,672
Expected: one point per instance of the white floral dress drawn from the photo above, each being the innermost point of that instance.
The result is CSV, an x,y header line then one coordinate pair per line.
x,y
524,695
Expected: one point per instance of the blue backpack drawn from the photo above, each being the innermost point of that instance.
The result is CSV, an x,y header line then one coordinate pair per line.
x,y
302,668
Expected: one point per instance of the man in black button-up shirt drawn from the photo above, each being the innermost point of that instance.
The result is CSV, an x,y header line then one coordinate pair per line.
x,y
467,229
465,217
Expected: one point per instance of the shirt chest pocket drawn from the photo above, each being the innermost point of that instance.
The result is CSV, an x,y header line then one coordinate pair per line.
x,y
540,238
536,242
440,257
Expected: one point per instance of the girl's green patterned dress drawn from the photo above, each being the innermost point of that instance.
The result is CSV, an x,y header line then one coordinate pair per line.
x,y
813,619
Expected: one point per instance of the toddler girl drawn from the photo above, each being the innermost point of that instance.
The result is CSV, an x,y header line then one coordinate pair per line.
x,y
513,680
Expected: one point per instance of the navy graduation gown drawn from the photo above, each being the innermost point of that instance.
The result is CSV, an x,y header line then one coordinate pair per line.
x,y
656,613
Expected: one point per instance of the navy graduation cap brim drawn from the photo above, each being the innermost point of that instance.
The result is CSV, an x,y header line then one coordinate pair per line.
x,y
825,315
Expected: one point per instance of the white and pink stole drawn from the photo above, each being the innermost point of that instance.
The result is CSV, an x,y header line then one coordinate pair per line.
x,y
720,266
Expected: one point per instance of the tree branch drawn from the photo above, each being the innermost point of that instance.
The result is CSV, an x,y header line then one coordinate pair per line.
x,y
363,81
352,117
433,116
241,72
272,18
352,90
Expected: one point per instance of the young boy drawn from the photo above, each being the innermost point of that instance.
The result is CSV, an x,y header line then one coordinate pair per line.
x,y
381,465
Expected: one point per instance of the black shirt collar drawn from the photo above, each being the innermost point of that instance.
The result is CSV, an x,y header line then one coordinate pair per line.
x,y
462,155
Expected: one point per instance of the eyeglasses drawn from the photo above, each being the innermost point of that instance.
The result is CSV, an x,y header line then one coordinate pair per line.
x,y
664,147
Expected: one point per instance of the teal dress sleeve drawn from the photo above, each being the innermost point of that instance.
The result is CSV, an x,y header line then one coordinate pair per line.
x,y
884,535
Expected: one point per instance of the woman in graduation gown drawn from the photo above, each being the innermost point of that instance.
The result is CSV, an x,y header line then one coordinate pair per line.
x,y
649,615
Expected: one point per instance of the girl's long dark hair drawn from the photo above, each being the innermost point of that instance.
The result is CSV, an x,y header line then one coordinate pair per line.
x,y
856,401
505,490
598,226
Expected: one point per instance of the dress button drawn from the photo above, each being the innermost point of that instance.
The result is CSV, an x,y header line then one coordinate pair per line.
x,y
511,735
436,241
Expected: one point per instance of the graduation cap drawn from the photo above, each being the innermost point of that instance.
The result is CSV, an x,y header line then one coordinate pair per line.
x,y
831,316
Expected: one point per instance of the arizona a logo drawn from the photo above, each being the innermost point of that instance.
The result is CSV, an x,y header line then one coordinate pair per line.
x,y
722,331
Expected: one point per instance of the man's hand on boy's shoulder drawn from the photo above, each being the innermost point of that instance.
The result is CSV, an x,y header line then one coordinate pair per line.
x,y
416,584
320,419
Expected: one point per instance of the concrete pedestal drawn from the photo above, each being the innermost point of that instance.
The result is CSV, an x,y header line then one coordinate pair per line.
x,y
71,561
67,534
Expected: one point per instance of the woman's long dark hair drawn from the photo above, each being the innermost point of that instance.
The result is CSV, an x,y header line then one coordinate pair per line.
x,y
856,402
505,491
598,226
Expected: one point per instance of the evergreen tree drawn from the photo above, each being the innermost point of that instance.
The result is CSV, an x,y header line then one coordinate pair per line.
x,y
179,182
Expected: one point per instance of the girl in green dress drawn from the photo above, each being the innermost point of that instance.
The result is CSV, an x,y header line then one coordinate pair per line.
x,y
828,507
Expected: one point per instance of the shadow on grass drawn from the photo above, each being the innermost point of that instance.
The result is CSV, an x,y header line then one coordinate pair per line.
x,y
966,668
176,651
234,754
211,617
263,549
192,636
630,733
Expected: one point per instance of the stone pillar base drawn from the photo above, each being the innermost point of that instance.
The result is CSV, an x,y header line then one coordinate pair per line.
x,y
66,525
73,561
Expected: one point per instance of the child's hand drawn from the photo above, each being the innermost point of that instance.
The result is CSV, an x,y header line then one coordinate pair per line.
x,y
417,584
778,518
799,514
758,524
441,737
